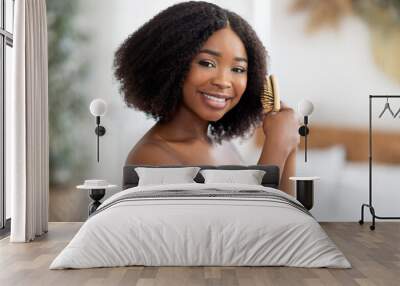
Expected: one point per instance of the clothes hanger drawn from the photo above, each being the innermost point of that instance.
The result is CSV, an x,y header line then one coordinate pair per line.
x,y
387,107
397,113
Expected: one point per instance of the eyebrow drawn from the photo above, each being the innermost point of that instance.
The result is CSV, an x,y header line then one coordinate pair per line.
x,y
218,54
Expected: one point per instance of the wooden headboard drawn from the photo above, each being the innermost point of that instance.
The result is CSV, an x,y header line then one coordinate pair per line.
x,y
385,144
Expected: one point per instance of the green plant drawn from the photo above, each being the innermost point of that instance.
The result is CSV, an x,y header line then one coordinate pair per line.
x,y
67,103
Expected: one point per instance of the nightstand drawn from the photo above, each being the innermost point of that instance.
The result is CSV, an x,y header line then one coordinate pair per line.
x,y
97,190
305,190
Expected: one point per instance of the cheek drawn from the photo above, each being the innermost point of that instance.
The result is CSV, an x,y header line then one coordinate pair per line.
x,y
194,78
242,84
240,87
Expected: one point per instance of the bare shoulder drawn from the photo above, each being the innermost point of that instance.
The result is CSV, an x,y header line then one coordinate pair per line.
x,y
151,152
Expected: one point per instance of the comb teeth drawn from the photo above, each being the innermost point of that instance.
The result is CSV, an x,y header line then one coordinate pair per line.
x,y
267,97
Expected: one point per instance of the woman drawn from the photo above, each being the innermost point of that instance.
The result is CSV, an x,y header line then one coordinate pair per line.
x,y
199,71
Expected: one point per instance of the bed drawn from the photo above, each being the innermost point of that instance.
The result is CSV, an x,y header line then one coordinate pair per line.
x,y
201,223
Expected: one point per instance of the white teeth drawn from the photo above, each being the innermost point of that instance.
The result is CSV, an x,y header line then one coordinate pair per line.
x,y
218,99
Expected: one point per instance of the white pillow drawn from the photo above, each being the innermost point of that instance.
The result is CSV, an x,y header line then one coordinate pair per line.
x,y
249,177
162,176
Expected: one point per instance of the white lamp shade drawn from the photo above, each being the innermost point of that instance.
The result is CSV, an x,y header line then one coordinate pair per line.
x,y
98,107
305,107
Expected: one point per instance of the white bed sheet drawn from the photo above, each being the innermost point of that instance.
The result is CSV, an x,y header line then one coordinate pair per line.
x,y
200,231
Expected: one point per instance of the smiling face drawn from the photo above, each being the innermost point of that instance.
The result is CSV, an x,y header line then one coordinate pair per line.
x,y
217,77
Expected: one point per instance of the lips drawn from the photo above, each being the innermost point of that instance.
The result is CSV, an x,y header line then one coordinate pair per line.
x,y
214,100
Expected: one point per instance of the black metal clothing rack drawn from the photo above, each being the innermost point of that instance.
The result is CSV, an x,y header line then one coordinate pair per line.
x,y
369,205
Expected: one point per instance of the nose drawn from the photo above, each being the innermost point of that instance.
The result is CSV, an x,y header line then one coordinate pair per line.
x,y
222,80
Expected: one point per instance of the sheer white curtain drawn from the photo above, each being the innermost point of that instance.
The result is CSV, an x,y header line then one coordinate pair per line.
x,y
27,123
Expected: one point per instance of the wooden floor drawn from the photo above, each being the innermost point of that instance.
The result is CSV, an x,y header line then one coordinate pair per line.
x,y
374,255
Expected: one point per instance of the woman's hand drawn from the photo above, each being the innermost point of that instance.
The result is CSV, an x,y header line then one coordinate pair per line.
x,y
281,129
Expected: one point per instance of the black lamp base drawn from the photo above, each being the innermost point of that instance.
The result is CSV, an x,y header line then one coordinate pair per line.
x,y
305,193
96,195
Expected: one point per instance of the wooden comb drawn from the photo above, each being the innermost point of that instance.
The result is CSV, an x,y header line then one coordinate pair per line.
x,y
270,99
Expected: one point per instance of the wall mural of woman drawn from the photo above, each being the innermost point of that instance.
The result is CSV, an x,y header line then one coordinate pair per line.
x,y
199,70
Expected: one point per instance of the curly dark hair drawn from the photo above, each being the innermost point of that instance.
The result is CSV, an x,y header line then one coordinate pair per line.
x,y
153,62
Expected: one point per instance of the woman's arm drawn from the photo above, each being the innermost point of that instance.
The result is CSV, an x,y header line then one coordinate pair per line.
x,y
289,170
281,140
286,163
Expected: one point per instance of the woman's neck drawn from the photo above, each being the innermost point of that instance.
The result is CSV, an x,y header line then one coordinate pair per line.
x,y
184,126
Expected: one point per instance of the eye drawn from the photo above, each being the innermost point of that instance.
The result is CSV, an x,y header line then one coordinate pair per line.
x,y
207,64
239,70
